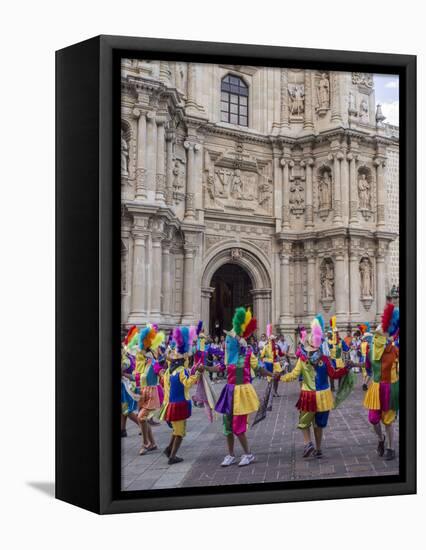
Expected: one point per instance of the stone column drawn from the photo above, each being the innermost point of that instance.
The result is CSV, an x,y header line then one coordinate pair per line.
x,y
191,149
353,189
284,100
156,278
262,309
337,187
278,186
138,301
336,115
285,195
164,72
308,121
340,280
381,191
140,159
206,294
151,153
285,255
380,278
344,185
188,284
165,283
160,179
354,282
309,214
170,137
311,269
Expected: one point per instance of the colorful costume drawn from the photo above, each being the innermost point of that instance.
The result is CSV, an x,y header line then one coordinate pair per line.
x,y
177,382
238,398
146,372
315,399
382,397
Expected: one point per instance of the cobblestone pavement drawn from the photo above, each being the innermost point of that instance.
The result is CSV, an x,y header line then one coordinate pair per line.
x,y
349,448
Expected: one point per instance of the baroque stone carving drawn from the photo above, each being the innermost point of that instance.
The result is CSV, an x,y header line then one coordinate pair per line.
x,y
363,111
352,110
178,181
363,79
324,191
366,277
236,254
296,94
124,156
234,181
327,282
323,94
365,181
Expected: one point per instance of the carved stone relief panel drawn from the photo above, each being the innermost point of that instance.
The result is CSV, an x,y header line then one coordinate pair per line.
x,y
237,181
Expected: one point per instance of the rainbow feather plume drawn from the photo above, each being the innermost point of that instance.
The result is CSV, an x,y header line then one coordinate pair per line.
x,y
149,337
192,334
268,330
238,320
178,339
394,322
320,319
142,335
250,328
185,338
158,340
387,317
317,332
246,320
199,327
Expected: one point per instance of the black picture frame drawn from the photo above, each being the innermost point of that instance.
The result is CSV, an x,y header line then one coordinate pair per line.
x,y
88,274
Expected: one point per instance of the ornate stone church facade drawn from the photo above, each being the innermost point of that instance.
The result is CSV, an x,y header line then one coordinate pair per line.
x,y
286,178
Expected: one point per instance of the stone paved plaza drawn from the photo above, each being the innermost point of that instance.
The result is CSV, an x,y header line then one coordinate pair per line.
x,y
349,448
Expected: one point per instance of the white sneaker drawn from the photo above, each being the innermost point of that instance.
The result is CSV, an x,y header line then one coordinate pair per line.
x,y
246,460
228,460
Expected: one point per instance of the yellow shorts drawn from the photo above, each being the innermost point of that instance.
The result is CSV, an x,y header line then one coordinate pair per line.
x,y
388,417
179,427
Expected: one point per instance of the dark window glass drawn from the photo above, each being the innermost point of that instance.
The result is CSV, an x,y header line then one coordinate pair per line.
x,y
234,100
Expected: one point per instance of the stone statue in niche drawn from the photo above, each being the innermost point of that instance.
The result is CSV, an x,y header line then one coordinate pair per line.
x,y
124,156
297,199
352,105
237,185
323,92
327,280
178,183
297,99
364,192
366,274
324,189
363,111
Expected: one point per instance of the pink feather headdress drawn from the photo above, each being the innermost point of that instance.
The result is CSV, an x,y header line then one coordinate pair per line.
x,y
317,333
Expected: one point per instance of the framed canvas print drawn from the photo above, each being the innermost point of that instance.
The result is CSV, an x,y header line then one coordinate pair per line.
x,y
235,274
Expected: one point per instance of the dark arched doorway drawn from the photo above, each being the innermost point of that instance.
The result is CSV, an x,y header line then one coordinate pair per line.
x,y
232,288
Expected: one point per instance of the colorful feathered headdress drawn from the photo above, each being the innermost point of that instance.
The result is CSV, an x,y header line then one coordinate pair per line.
x,y
386,320
317,331
181,337
243,323
130,334
150,338
390,320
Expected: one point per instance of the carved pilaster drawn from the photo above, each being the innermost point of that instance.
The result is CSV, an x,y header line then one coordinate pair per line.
x,y
308,123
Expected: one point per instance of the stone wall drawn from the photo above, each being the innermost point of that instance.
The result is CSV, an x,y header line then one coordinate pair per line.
x,y
304,198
